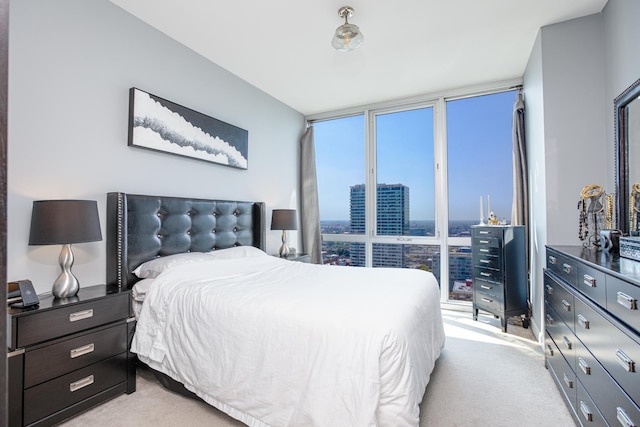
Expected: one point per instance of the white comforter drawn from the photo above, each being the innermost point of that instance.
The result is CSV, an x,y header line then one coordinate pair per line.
x,y
279,343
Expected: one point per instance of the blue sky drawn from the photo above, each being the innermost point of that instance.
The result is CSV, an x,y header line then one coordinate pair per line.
x,y
479,156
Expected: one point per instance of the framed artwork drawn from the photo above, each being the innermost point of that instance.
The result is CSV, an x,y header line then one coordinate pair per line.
x,y
161,125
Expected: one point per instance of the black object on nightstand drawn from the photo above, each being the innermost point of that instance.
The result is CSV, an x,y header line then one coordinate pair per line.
x,y
297,257
69,354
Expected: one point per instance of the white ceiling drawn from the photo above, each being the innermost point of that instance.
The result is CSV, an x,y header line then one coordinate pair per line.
x,y
412,47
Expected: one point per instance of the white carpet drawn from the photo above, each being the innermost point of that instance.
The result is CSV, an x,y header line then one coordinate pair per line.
x,y
484,377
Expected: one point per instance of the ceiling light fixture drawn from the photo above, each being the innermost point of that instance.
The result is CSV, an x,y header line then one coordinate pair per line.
x,y
347,36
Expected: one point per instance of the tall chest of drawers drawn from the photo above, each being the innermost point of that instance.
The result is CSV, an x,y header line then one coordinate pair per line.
x,y
592,327
68,355
499,271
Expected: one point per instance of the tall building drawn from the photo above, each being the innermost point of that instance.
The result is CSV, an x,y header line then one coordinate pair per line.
x,y
392,220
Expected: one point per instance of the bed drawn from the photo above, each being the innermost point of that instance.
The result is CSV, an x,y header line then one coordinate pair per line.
x,y
269,341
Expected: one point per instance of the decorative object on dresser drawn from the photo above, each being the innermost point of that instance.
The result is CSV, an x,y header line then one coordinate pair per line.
x,y
161,125
592,341
499,271
630,247
595,214
69,355
284,219
63,222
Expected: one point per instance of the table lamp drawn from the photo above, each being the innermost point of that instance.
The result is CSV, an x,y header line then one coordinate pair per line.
x,y
63,222
284,219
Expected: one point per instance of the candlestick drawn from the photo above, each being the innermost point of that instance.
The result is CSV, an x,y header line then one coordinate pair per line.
x,y
488,206
481,212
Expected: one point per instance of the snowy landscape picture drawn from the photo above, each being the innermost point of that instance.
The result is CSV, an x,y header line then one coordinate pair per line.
x,y
158,124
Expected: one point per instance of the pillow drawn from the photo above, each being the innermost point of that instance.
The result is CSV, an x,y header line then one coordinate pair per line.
x,y
151,269
236,252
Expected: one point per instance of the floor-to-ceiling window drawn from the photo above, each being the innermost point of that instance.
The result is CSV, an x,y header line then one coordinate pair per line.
x,y
400,186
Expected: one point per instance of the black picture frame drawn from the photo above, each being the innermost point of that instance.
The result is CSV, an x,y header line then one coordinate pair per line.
x,y
161,125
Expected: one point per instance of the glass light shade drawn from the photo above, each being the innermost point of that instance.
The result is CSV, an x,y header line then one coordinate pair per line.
x,y
347,37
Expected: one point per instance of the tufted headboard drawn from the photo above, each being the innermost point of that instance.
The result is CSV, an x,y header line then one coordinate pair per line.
x,y
140,228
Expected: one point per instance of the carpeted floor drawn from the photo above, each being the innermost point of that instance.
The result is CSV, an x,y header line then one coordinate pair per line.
x,y
484,377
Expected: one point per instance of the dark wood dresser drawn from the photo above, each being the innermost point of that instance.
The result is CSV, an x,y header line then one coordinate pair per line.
x,y
592,339
68,355
499,271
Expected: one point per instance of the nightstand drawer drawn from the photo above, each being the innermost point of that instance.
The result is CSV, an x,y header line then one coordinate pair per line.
x,y
52,396
57,359
49,324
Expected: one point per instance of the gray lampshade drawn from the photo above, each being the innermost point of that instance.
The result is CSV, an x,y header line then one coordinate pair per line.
x,y
55,222
284,219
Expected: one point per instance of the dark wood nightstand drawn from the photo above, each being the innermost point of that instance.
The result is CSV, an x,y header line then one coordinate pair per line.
x,y
297,257
68,355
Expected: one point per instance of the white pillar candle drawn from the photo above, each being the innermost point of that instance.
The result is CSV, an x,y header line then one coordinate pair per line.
x,y
488,206
481,211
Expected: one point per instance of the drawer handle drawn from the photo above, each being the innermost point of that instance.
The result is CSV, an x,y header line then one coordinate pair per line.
x,y
550,350
549,289
81,383
482,273
625,361
485,261
567,268
550,320
623,418
567,342
589,281
582,321
485,242
79,315
568,381
584,366
586,411
486,287
81,351
552,260
483,232
487,300
486,251
626,301
566,305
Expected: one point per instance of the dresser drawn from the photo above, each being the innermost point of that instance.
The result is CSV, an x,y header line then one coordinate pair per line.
x,y
68,355
592,341
499,271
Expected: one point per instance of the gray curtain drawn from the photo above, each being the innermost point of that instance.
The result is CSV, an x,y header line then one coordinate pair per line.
x,y
520,206
309,209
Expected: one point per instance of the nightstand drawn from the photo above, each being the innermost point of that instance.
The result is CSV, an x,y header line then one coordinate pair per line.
x,y
68,355
297,257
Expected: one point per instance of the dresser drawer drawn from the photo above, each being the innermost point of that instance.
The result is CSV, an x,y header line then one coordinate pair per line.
x,y
49,397
485,260
563,266
49,324
50,361
560,298
592,283
618,352
490,302
587,410
622,301
484,232
561,371
488,274
561,334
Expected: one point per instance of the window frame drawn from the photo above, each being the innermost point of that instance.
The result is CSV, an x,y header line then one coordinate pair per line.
x,y
441,203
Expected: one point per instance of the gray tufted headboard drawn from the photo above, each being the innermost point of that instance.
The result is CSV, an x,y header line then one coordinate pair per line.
x,y
140,228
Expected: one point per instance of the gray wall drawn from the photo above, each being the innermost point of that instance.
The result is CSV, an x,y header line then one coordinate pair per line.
x,y
575,70
71,65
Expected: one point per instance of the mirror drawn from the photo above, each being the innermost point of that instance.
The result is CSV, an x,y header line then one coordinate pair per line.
x,y
627,125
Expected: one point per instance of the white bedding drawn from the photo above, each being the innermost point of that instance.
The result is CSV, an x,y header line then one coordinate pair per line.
x,y
279,343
